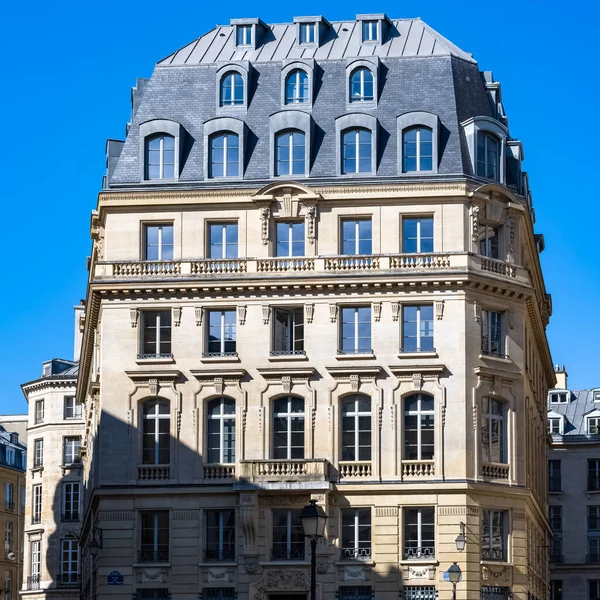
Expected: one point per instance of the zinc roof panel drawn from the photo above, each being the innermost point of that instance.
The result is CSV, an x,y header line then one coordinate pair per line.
x,y
217,45
414,39
198,52
427,43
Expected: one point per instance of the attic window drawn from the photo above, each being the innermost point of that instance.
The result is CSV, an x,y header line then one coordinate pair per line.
x,y
555,425
558,398
307,33
596,396
243,35
593,425
370,31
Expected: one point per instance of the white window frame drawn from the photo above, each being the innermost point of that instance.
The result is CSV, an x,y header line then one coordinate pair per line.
x,y
486,334
356,552
418,413
9,536
156,416
39,411
291,327
505,537
357,239
222,340
289,548
289,416
355,413
311,28
159,316
226,162
222,243
71,405
555,423
36,558
70,442
418,129
361,98
297,98
419,336
489,418
9,496
8,585
289,134
221,417
426,552
221,527
71,501
69,558
161,246
372,28
355,350
559,397
38,453
290,239
161,157
36,507
593,425
420,238
243,35
233,102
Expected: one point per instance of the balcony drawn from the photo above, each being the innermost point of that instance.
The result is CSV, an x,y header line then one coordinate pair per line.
x,y
219,472
33,582
423,553
418,468
154,554
495,470
154,472
355,554
220,555
9,505
496,554
284,470
295,551
355,469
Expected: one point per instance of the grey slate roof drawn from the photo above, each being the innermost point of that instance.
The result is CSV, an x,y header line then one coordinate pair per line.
x,y
580,404
419,71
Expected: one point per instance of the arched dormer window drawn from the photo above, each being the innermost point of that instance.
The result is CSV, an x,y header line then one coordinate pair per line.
x,y
156,433
356,144
220,427
488,156
418,134
486,142
232,89
224,155
290,153
291,132
361,85
296,87
160,142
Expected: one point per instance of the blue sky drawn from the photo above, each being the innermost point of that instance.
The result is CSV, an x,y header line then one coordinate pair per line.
x,y
67,70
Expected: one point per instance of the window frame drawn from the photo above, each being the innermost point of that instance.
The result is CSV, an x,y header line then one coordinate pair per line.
x,y
36,503
357,220
222,328
352,547
294,346
563,397
350,122
290,134
593,474
221,417
420,413
308,25
487,335
244,35
343,349
419,143
420,551
150,130
302,83
486,165
73,409
158,445
354,136
353,451
295,549
220,125
290,121
70,547
225,548
241,68
160,245
419,238
418,119
488,419
592,424
472,127
492,553
38,453
39,411
160,551
227,138
9,536
70,444
162,151
223,243
554,475
288,417
404,349
159,315
70,501
555,422
362,98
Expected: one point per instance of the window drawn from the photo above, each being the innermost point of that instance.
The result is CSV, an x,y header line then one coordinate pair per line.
x,y
492,342
296,87
361,85
8,537
39,411
356,428
224,155
223,240
221,333
71,446
419,420
33,583
417,235
155,536
596,396
593,526
560,398
356,592
288,428
222,593
288,535
593,425
10,457
8,585
370,31
232,89
356,236
243,35
307,33
555,425
488,156
160,157
288,332
156,433
38,454
69,562
555,518
9,496
594,589
488,241
556,586
554,476
356,330
494,535
70,502
496,593
36,510
158,242
356,533
153,594
290,238
417,153
493,431
593,482
220,535
419,533
72,408
357,151
221,431
417,328
419,592
290,154
156,334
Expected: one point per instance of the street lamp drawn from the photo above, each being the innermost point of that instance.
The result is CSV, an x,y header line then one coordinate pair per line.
x,y
461,538
313,520
454,574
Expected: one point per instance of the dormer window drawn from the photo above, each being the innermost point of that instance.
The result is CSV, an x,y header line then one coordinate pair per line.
x,y
160,157
488,154
593,425
370,31
558,398
555,425
243,35
361,85
596,396
307,33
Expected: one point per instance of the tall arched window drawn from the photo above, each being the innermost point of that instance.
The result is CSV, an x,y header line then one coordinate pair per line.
x,y
156,433
288,428
361,85
290,158
232,89
296,87
356,427
493,431
488,155
419,442
160,157
221,431
357,151
224,155
417,153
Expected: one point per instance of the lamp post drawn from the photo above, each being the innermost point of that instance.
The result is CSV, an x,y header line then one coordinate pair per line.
x,y
313,519
461,538
454,574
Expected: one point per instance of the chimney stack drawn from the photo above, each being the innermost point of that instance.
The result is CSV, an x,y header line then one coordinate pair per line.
x,y
561,377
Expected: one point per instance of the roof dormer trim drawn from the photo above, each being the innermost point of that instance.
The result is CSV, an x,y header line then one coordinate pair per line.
x,y
257,28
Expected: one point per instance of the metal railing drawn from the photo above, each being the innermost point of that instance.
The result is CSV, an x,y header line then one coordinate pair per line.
x,y
287,353
293,552
33,582
164,355
493,554
70,515
355,553
9,505
419,553
219,555
219,355
160,554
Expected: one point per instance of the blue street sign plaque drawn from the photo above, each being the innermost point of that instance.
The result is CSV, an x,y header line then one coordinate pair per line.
x,y
114,578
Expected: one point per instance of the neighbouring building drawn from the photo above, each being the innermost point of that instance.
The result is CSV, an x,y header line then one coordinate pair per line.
x,y
574,491
16,424
54,480
314,275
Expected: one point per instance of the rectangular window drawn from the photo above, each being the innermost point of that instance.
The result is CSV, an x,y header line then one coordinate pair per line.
x,y
158,242
288,428
356,330
290,239
556,586
370,31
417,235
356,533
9,495
419,533
71,447
229,593
72,408
492,341
219,535
593,425
36,509
593,534
156,334
38,453
69,562
417,328
39,411
359,592
223,240
593,474
493,431
555,425
554,476
221,431
494,535
154,536
488,241
288,331
489,592
356,236
33,582
70,502
555,518
244,35
288,535
419,592
9,534
560,398
356,428
8,585
221,333
10,457
419,420
307,33
594,589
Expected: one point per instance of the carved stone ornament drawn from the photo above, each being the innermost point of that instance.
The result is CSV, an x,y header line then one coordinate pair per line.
x,y
354,382
153,385
198,310
377,311
310,220
152,575
177,316
286,382
512,230
417,381
333,311
223,575
322,568
134,315
395,311
354,574
266,313
475,223
219,385
418,572
265,214
252,567
439,309
309,310
293,500
282,579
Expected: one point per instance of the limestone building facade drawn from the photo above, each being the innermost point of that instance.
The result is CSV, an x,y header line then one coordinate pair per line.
x,y
53,480
314,275
574,491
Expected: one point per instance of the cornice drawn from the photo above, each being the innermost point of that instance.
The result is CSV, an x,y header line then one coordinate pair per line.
x,y
43,384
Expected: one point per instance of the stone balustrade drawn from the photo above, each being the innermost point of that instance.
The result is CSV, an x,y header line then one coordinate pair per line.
x,y
219,471
153,472
356,469
495,470
284,470
418,468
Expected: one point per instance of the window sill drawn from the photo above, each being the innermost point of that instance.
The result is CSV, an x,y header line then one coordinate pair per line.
x,y
358,356
152,564
501,359
287,357
432,354
37,470
155,361
216,563
419,561
282,563
588,492
354,563
557,493
504,563
220,359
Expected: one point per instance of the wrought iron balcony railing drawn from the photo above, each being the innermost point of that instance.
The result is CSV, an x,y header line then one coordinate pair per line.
x,y
356,553
160,554
294,551
494,554
33,582
219,555
419,553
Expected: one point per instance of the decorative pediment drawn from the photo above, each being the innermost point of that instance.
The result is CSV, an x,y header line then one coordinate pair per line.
x,y
355,374
220,378
288,377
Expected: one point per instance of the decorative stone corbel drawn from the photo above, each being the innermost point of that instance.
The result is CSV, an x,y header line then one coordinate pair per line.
x,y
219,385
265,215
153,385
309,311
354,382
395,311
177,316
377,311
134,314
475,223
439,309
242,310
286,382
198,310
417,381
310,219
333,311
266,313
